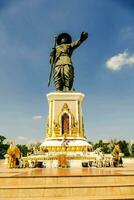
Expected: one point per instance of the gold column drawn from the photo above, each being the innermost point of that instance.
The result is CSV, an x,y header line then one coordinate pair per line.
x,y
80,120
50,118
79,127
77,117
53,116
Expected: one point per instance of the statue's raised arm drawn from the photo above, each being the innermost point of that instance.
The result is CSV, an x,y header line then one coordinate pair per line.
x,y
60,57
83,37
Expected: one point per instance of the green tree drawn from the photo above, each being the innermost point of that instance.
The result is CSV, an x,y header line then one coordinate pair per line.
x,y
112,144
132,150
106,148
23,148
2,138
95,146
98,144
124,146
3,147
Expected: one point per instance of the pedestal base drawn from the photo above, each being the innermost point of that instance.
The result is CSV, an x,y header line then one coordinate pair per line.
x,y
65,127
68,145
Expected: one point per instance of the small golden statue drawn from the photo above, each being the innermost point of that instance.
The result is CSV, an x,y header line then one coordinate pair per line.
x,y
117,159
61,63
14,154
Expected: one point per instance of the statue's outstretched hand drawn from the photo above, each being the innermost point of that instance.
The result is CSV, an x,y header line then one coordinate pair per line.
x,y
84,36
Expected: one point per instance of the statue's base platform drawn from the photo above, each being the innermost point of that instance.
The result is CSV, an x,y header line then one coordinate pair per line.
x,y
65,126
67,183
68,145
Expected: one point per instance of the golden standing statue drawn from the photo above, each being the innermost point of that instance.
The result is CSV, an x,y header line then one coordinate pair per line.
x,y
14,153
61,63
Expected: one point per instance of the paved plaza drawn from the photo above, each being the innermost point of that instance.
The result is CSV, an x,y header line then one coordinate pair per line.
x,y
67,183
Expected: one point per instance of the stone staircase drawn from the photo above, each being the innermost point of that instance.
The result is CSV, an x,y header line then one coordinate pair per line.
x,y
71,187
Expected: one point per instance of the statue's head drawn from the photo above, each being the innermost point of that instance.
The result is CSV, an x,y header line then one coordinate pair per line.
x,y
64,38
117,147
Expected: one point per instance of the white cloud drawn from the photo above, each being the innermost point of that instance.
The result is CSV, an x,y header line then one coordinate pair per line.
x,y
23,140
120,60
37,117
21,137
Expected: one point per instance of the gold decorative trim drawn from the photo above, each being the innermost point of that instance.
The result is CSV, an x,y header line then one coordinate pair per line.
x,y
63,148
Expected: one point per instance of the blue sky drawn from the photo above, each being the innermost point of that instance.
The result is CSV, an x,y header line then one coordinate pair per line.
x,y
104,65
